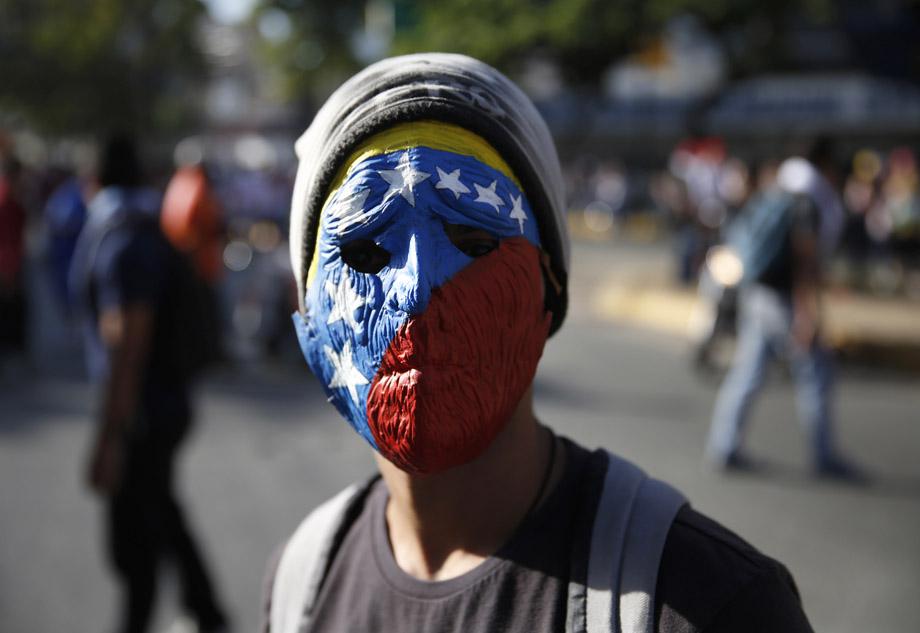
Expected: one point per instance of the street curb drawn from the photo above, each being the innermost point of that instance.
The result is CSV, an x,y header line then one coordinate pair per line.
x,y
862,330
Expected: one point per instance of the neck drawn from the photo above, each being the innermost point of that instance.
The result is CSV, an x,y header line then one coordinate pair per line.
x,y
445,524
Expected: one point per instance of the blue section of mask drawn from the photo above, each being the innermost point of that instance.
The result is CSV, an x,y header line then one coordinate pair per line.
x,y
400,201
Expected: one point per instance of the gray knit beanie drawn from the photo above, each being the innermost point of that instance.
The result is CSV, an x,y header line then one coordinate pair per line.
x,y
441,87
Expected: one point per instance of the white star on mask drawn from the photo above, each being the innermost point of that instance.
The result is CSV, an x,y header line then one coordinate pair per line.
x,y
403,179
451,182
346,374
349,208
488,196
517,211
345,300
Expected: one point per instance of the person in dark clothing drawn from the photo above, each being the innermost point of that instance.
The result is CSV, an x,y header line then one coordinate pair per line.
x,y
126,275
429,243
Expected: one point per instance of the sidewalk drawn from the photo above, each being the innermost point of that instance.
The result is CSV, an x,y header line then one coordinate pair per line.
x,y
629,279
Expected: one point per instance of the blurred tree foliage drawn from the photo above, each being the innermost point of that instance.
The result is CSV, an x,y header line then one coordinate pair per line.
x,y
87,66
317,52
582,36
585,36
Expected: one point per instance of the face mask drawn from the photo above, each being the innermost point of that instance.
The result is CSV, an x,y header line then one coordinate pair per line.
x,y
425,317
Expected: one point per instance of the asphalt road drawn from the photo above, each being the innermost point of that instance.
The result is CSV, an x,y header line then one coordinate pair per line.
x,y
268,447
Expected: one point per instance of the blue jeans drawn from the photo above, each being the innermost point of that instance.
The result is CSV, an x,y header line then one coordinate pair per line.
x,y
765,332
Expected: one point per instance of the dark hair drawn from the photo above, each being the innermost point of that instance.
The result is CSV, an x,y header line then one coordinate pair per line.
x,y
119,164
821,152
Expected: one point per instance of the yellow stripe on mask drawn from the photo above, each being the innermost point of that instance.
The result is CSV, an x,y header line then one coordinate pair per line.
x,y
433,134
441,136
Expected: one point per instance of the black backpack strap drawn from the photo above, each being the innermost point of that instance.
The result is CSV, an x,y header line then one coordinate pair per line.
x,y
307,556
630,526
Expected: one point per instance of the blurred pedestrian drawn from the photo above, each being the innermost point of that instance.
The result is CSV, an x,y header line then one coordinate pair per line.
x,y
784,235
191,218
131,287
431,268
901,191
698,164
13,334
65,213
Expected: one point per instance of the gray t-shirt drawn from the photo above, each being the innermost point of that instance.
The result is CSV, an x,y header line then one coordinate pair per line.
x,y
709,579
522,587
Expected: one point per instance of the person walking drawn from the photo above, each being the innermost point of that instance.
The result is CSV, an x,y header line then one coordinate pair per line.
x,y
130,283
783,237
430,250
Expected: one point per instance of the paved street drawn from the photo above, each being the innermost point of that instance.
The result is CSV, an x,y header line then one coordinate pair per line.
x,y
268,447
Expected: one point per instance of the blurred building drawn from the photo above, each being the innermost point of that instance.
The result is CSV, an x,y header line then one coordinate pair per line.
x,y
854,77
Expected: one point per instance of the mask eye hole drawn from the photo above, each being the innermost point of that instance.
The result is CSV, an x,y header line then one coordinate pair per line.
x,y
470,240
365,256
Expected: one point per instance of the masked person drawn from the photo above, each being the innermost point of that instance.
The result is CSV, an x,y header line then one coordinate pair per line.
x,y
430,250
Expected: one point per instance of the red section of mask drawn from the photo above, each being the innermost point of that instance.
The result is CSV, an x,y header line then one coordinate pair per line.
x,y
453,375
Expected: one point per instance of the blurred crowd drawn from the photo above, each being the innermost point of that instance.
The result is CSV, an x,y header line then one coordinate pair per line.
x,y
704,185
241,208
694,195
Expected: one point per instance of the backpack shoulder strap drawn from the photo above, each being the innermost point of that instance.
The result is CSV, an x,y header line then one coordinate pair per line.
x,y
758,233
631,524
653,513
304,561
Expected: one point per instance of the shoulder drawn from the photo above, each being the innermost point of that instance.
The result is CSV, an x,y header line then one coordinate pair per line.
x,y
712,580
132,263
297,568
127,239
132,244
331,515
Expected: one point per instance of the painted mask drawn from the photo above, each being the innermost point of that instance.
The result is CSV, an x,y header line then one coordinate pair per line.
x,y
425,317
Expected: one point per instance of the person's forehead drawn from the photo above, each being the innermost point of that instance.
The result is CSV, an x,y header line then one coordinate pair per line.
x,y
417,181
